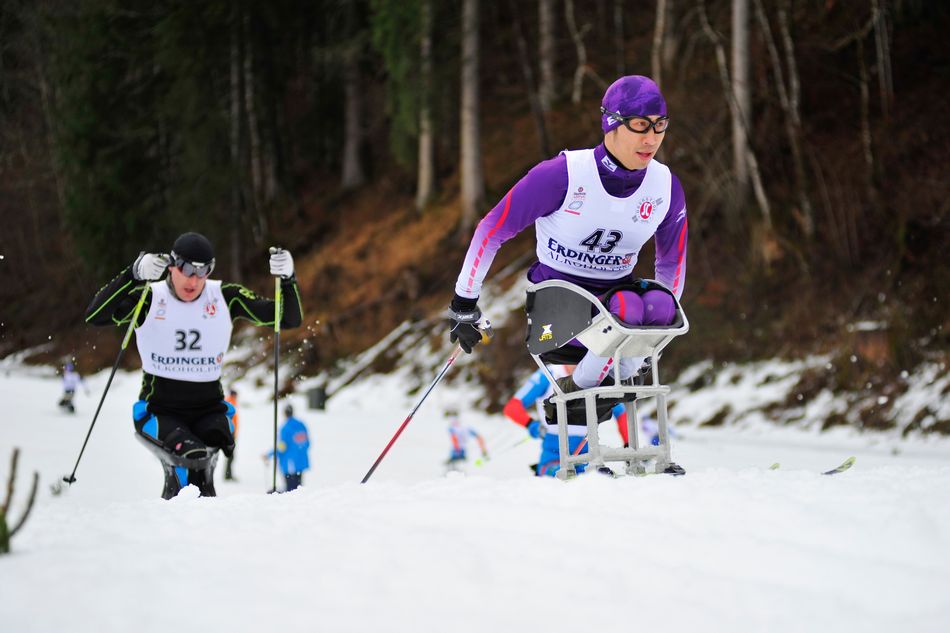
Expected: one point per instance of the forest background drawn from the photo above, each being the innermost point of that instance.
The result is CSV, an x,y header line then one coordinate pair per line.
x,y
369,136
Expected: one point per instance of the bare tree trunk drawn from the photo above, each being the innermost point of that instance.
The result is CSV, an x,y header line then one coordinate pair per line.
x,y
840,220
671,38
741,115
867,140
50,140
659,31
353,174
789,100
38,252
794,86
234,229
250,107
473,186
883,48
271,161
753,162
525,62
425,184
546,53
619,47
577,35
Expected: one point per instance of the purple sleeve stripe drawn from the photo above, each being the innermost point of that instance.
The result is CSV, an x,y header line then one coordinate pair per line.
x,y
481,249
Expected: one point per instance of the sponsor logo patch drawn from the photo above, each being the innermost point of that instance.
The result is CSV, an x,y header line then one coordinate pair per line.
x,y
577,201
646,208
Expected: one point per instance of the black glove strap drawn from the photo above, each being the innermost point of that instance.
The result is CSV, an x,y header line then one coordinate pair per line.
x,y
463,304
468,314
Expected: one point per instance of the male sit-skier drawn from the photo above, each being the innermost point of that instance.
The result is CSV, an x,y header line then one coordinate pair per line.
x,y
183,333
593,210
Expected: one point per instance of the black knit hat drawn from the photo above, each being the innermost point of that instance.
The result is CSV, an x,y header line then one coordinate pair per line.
x,y
193,247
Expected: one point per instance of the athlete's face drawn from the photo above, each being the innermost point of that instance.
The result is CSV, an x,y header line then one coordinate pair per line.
x,y
186,288
634,150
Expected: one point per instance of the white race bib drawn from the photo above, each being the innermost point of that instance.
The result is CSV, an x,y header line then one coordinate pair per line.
x,y
185,340
594,234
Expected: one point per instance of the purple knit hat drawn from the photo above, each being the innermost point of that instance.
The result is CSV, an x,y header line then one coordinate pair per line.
x,y
633,94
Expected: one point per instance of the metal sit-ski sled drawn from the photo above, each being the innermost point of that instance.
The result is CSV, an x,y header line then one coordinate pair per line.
x,y
559,312
176,469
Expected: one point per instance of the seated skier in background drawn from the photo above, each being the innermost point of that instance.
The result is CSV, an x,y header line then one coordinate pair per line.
x,y
459,435
183,333
593,210
71,381
532,393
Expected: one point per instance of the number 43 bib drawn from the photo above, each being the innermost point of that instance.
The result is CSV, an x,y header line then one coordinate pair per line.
x,y
594,234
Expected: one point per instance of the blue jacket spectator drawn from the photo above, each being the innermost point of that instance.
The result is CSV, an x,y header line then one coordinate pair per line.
x,y
293,450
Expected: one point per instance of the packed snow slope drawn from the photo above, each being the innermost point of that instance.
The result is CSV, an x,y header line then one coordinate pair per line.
x,y
732,546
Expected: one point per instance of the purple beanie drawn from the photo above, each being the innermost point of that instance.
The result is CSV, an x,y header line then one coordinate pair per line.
x,y
633,94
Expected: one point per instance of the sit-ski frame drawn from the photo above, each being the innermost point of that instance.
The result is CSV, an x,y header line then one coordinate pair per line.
x,y
558,312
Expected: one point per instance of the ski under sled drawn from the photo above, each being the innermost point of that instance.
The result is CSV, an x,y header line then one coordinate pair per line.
x,y
178,471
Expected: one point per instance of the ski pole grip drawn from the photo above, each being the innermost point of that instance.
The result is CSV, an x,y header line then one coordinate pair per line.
x,y
278,303
484,327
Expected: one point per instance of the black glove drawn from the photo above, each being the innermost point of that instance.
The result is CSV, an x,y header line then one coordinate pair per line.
x,y
463,323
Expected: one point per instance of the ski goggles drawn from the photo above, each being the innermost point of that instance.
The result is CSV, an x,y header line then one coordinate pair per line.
x,y
639,124
192,269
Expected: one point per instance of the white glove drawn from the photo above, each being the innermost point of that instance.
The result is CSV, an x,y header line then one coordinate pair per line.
x,y
150,266
281,263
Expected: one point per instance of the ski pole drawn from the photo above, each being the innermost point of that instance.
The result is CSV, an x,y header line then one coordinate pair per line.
x,y
125,342
480,461
485,327
277,317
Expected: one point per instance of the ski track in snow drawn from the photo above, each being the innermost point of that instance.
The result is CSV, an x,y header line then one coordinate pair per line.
x,y
731,547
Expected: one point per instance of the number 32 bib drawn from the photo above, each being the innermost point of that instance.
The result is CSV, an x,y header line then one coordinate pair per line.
x,y
185,340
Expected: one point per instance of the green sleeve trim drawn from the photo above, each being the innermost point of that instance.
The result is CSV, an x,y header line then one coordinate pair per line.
x,y
128,317
250,314
108,301
299,300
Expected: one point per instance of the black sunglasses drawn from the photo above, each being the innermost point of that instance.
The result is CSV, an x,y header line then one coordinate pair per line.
x,y
639,124
192,269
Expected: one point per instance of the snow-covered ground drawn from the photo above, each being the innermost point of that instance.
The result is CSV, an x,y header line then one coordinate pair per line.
x,y
733,546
